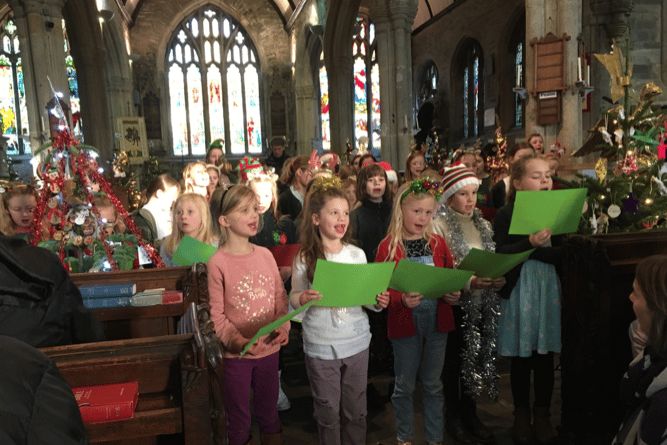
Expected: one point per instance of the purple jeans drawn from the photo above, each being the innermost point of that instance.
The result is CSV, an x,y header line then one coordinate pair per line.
x,y
261,375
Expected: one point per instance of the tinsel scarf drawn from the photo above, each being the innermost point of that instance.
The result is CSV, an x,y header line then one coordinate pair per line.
x,y
480,321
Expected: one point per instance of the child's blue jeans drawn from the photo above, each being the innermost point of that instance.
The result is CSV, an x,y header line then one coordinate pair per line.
x,y
422,354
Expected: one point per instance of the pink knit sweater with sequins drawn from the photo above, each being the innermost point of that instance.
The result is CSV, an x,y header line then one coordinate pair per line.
x,y
246,293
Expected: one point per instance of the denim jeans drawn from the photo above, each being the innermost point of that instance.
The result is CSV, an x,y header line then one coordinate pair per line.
x,y
420,355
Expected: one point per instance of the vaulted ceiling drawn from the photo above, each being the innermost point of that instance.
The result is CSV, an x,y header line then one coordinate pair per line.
x,y
428,9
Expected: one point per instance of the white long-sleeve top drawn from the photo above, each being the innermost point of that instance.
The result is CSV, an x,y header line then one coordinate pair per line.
x,y
331,333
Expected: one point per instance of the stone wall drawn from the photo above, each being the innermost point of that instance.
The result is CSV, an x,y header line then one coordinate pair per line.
x,y
491,23
646,37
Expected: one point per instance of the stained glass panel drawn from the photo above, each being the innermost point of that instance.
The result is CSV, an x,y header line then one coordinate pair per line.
x,y
179,117
215,106
475,129
235,107
324,111
375,105
518,102
360,104
13,110
254,125
465,102
196,110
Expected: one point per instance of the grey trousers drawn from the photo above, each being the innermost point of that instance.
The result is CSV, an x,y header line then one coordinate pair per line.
x,y
339,396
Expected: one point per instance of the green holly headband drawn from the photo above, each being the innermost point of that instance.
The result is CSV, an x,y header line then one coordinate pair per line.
x,y
419,186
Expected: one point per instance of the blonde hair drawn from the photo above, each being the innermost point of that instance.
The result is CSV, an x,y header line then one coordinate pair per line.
x,y
263,179
204,232
229,201
395,230
15,189
188,182
312,247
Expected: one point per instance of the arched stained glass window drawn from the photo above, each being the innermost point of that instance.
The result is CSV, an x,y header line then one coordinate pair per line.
x,y
75,101
13,111
213,82
471,89
366,88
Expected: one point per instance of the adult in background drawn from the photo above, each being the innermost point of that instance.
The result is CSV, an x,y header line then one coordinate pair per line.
x,y
644,386
39,304
37,404
277,156
154,215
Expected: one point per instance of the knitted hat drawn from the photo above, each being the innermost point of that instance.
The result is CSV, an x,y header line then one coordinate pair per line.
x,y
455,178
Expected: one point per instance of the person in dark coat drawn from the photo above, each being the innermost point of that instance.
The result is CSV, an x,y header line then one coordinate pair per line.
x,y
39,303
37,406
369,221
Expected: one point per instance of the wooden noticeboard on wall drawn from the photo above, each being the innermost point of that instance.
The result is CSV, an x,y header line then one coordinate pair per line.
x,y
549,79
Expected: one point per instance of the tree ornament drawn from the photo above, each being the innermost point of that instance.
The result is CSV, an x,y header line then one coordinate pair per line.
x,y
601,169
631,203
614,62
614,211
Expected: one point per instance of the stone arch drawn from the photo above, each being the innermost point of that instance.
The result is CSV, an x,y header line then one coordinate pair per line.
x,y
337,41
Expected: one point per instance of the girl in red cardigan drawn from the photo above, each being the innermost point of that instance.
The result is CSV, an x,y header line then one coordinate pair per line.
x,y
417,327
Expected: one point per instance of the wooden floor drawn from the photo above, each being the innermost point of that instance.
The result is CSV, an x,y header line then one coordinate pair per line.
x,y
300,428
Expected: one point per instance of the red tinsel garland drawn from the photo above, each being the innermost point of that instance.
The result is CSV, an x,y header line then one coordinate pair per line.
x,y
82,165
129,221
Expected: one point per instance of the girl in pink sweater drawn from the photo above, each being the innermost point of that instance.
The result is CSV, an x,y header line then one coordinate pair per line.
x,y
247,293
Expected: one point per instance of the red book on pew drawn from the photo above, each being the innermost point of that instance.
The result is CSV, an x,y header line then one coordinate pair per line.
x,y
284,253
106,403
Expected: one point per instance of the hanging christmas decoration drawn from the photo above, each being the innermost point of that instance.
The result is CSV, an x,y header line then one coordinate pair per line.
x,y
615,64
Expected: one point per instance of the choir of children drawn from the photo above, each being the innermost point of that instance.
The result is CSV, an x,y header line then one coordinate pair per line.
x,y
367,219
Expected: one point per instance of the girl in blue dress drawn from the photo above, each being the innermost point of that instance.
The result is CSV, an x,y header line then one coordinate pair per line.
x,y
529,323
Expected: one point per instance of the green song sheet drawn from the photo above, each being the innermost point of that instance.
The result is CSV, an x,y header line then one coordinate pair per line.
x,y
430,281
192,251
345,285
275,325
559,210
492,265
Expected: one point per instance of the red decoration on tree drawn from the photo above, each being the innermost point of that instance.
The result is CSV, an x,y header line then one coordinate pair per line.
x,y
66,159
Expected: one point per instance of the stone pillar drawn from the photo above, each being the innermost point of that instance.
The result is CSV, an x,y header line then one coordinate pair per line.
x,y
39,27
393,26
306,117
120,96
379,15
402,14
559,17
97,127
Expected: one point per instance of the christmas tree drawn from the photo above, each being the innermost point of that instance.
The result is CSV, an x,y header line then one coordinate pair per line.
x,y
67,215
628,192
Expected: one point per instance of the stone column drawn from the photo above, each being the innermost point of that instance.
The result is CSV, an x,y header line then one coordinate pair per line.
x,y
97,127
39,27
306,118
379,15
402,13
559,17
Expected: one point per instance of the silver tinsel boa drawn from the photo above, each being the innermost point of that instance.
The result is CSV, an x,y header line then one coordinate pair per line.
x,y
480,320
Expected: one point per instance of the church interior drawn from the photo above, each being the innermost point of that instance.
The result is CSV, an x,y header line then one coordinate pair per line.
x,y
163,79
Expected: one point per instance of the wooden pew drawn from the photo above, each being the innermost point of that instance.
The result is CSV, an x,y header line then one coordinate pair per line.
x,y
146,321
173,390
